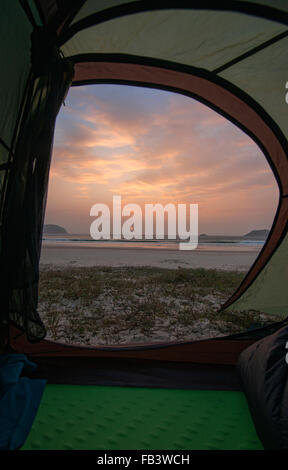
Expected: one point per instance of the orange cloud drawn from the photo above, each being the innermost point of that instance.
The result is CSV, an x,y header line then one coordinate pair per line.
x,y
177,151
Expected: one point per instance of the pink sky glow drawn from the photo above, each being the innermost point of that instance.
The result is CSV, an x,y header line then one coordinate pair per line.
x,y
151,146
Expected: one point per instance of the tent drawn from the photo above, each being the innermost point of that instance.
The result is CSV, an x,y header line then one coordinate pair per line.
x,y
229,55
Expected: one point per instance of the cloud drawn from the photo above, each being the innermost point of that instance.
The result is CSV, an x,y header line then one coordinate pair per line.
x,y
152,146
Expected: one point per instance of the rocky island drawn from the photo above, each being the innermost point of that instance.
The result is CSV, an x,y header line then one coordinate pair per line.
x,y
257,234
51,229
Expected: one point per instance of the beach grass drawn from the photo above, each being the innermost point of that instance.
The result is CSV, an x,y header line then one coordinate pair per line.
x,y
124,305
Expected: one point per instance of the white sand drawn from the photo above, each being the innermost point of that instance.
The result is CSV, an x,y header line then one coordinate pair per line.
x,y
62,316
226,259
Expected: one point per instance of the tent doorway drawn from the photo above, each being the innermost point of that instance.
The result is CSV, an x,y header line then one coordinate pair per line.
x,y
150,146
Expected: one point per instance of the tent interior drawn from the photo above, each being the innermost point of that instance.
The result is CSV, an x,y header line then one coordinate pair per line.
x,y
222,393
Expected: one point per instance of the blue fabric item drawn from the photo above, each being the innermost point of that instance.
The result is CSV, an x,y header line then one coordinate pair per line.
x,y
19,400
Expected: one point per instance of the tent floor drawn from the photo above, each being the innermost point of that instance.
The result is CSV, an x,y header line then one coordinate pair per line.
x,y
116,418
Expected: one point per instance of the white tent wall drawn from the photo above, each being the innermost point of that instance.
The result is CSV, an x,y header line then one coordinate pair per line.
x,y
269,290
205,39
91,6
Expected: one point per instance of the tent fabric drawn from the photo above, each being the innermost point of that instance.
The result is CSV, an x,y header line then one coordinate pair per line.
x,y
229,55
24,208
269,288
263,371
217,351
136,373
15,56
15,59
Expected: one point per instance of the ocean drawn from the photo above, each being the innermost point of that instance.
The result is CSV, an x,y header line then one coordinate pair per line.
x,y
206,242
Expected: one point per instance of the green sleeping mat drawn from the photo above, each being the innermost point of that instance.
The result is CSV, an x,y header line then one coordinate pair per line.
x,y
117,418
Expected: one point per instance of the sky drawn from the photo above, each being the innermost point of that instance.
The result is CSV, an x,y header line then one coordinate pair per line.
x,y
154,146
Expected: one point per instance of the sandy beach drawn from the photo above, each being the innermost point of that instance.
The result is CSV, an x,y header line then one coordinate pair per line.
x,y
109,295
99,295
225,258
